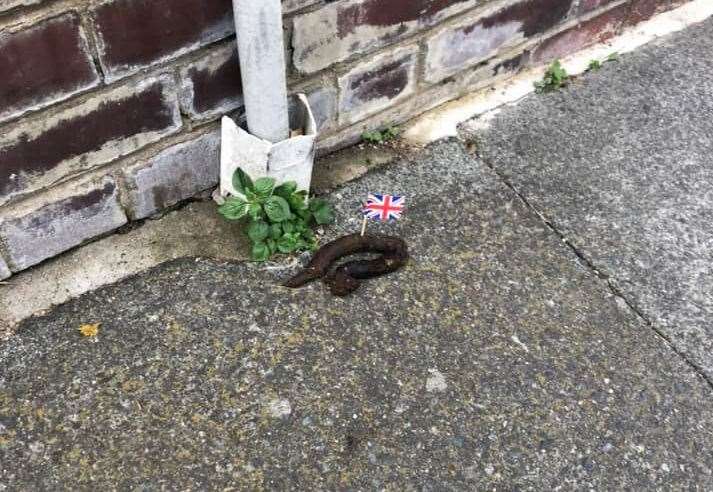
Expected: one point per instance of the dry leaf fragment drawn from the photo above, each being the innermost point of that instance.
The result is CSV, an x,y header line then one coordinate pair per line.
x,y
90,330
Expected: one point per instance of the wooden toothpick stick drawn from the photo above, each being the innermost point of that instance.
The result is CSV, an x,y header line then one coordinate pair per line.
x,y
363,226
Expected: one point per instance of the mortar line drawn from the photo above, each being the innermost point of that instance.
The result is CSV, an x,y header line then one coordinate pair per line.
x,y
638,312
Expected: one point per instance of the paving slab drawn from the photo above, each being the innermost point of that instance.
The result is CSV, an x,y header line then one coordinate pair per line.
x,y
621,164
495,360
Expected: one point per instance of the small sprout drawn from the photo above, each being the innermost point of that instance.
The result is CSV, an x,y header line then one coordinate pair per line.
x,y
555,78
374,137
89,330
596,64
377,137
391,132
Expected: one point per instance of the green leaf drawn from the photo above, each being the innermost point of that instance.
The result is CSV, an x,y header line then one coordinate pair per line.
x,y
324,216
380,136
255,211
297,201
302,245
277,209
305,215
285,190
322,210
392,132
264,186
308,235
234,208
258,231
275,231
374,137
300,224
253,197
316,203
288,227
260,251
272,244
555,77
287,243
241,181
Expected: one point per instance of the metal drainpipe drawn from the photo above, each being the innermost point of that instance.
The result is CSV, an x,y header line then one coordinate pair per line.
x,y
258,25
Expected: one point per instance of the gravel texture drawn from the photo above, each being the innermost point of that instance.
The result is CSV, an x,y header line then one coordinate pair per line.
x,y
494,360
621,165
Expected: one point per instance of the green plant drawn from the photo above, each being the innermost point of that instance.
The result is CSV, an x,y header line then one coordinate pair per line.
x,y
280,218
594,65
381,136
555,77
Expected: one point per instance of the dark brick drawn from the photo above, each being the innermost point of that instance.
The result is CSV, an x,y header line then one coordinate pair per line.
x,y
83,212
642,10
511,65
535,16
378,84
455,50
97,131
212,85
45,63
387,81
384,14
589,5
342,29
136,33
592,31
7,5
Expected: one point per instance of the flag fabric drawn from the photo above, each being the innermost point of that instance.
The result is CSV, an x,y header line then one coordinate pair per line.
x,y
383,207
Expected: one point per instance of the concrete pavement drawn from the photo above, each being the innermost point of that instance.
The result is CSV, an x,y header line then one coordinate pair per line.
x,y
501,357
621,165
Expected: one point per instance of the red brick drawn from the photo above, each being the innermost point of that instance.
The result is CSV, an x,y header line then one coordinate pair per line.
x,y
592,31
45,63
136,33
43,150
642,10
212,85
467,44
341,29
378,84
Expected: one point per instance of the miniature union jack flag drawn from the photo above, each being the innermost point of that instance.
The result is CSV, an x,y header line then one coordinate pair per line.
x,y
383,207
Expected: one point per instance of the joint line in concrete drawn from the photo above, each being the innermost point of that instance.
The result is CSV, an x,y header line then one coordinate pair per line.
x,y
586,262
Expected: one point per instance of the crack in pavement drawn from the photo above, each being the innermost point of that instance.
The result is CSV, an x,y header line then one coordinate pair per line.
x,y
589,264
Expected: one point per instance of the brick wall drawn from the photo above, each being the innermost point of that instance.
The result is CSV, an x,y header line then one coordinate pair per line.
x,y
109,109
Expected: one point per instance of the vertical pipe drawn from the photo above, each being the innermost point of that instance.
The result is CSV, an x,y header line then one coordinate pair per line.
x,y
258,24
